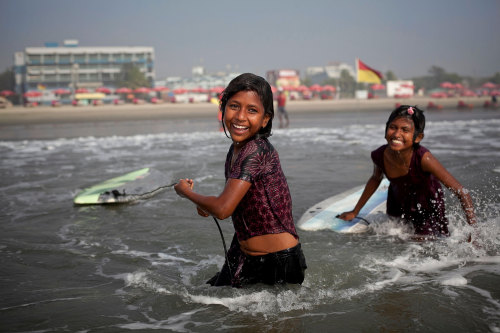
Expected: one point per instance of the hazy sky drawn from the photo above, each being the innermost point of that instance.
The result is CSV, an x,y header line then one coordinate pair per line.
x,y
407,37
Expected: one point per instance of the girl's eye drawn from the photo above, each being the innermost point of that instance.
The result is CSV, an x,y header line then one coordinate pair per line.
x,y
233,106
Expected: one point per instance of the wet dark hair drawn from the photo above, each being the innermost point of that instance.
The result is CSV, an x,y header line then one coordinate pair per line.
x,y
251,82
417,117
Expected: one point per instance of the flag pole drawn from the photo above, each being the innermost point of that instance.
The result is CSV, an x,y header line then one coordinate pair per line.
x,y
357,69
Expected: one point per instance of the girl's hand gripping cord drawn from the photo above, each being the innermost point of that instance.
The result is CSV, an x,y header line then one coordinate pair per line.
x,y
184,186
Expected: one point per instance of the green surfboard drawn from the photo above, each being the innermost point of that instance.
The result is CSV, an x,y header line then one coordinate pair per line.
x,y
135,185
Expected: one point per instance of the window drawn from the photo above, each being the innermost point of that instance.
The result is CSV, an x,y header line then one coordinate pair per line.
x,y
64,59
79,58
50,77
49,59
64,77
34,59
93,58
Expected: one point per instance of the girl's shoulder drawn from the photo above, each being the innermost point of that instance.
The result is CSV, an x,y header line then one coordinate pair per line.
x,y
378,154
379,149
420,151
259,145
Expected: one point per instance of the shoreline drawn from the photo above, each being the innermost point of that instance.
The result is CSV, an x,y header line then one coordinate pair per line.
x,y
20,115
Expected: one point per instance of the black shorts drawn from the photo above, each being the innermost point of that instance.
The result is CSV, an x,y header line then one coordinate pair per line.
x,y
286,266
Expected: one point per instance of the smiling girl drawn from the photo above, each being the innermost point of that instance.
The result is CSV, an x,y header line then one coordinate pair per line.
x,y
415,194
265,246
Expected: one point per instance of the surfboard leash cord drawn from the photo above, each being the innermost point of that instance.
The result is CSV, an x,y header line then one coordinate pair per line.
x,y
357,217
117,194
220,232
223,244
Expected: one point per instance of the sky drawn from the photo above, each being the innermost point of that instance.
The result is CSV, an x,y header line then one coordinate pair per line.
x,y
405,37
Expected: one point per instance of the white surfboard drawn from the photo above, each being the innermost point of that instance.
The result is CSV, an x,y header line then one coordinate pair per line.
x,y
323,214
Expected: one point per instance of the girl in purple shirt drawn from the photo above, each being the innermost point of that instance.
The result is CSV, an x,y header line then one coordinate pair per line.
x,y
415,194
265,246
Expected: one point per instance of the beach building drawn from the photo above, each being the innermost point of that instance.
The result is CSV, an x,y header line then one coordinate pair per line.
x,y
318,74
283,77
70,66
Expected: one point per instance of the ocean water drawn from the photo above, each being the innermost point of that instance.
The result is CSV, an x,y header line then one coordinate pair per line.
x,y
143,266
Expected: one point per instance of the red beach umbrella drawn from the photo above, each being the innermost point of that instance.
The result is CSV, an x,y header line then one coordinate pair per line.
x,y
315,87
217,89
141,90
6,93
468,93
61,91
32,93
331,88
104,90
200,90
447,85
81,91
123,90
489,85
180,91
161,88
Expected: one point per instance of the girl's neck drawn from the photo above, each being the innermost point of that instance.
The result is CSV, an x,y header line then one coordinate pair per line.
x,y
237,147
403,157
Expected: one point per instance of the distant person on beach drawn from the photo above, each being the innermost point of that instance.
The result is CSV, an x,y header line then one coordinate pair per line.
x,y
415,194
281,109
265,247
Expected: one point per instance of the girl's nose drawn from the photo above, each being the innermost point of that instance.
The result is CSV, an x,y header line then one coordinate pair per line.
x,y
240,114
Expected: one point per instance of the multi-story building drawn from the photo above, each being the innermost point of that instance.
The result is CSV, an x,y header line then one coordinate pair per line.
x,y
71,66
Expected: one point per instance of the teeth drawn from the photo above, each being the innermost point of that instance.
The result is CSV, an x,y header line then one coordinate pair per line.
x,y
239,127
397,141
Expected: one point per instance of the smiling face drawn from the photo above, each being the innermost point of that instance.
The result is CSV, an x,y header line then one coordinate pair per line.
x,y
244,116
399,134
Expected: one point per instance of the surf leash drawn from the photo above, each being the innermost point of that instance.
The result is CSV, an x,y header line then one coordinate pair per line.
x,y
116,194
224,244
357,217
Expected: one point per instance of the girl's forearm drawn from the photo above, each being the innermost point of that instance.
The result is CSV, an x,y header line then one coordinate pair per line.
x,y
209,204
467,205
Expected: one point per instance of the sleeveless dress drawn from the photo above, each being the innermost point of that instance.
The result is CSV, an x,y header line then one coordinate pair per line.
x,y
416,197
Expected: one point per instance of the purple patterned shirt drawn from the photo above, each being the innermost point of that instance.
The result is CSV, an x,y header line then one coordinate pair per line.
x,y
267,206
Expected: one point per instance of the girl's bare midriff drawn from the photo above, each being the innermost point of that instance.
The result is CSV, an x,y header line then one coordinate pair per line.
x,y
265,244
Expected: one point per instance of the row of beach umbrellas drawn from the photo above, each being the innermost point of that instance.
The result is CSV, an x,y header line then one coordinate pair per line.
x,y
458,86
219,89
145,90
